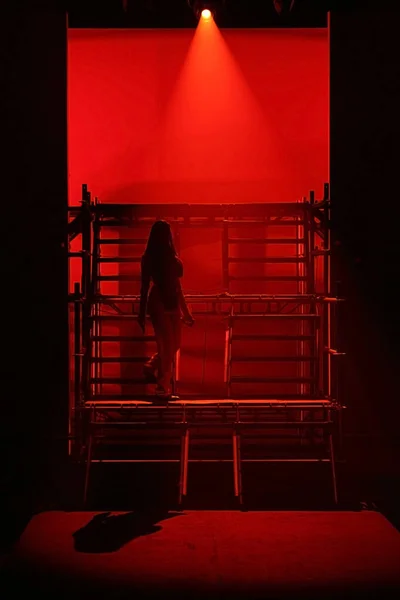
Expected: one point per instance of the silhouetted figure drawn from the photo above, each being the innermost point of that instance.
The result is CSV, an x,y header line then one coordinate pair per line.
x,y
165,304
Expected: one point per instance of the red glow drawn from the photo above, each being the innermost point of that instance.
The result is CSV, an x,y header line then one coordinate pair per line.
x,y
157,116
162,116
206,14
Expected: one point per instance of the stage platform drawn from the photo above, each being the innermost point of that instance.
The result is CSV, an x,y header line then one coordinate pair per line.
x,y
226,430
212,554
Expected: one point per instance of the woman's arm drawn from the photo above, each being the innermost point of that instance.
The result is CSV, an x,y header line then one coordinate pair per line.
x,y
186,314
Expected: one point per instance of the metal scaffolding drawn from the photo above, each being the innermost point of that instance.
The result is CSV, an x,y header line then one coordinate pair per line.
x,y
289,304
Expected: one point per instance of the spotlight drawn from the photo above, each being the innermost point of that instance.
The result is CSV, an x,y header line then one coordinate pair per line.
x,y
206,14
206,9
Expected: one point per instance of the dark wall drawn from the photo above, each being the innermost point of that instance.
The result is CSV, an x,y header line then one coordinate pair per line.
x,y
34,204
364,164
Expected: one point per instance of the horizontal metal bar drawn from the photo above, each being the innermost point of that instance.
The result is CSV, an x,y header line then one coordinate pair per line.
x,y
264,316
215,424
119,259
211,460
79,254
119,359
277,220
268,240
279,316
288,380
122,241
161,210
115,317
119,380
268,260
119,278
273,358
232,298
123,338
281,337
267,278
244,402
264,401
141,424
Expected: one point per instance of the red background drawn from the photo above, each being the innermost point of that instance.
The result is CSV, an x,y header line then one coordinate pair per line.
x,y
183,116
170,115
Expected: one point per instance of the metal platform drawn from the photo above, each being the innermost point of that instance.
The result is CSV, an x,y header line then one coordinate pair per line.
x,y
292,405
217,423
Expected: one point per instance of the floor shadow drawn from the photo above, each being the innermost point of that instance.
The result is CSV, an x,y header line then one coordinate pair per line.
x,y
109,533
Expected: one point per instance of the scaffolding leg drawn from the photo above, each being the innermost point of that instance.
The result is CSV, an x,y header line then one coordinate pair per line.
x,y
184,465
237,467
333,466
88,465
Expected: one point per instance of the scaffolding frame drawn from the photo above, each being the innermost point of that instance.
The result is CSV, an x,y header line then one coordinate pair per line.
x,y
314,309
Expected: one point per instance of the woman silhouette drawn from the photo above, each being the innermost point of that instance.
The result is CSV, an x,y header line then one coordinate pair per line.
x,y
165,304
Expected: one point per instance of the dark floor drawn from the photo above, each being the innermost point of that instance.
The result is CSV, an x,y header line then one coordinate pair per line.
x,y
292,541
208,554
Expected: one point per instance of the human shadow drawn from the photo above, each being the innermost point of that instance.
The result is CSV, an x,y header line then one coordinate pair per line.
x,y
109,533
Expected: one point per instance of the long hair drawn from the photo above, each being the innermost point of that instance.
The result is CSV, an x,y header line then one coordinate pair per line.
x,y
160,245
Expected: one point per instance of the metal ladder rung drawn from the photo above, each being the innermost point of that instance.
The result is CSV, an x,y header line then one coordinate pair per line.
x,y
288,316
266,223
289,380
119,278
121,241
271,259
271,337
266,241
123,338
120,380
119,259
105,318
119,359
273,358
267,278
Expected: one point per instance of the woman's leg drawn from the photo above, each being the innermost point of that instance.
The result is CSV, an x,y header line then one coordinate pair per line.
x,y
152,365
163,329
176,328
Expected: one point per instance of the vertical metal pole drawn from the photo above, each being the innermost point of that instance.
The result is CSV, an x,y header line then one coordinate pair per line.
x,y
94,286
311,285
89,454
73,413
177,358
229,356
86,310
327,290
184,463
312,244
86,290
181,470
237,462
333,466
177,370
302,287
226,356
225,256
318,348
77,345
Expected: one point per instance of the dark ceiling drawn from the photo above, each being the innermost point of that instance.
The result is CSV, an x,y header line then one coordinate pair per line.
x,y
178,13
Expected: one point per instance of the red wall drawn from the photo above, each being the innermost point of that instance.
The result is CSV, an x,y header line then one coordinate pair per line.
x,y
184,116
179,116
